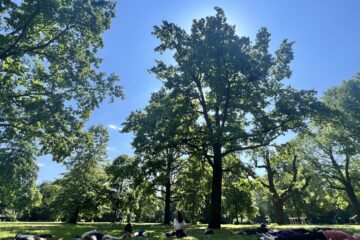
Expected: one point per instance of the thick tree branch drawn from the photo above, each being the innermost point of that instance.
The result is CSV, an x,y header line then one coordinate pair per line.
x,y
23,33
204,106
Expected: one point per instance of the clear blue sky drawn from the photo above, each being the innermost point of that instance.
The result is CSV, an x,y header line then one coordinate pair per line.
x,y
326,35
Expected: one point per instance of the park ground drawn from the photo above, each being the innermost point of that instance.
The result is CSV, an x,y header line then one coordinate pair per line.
x,y
68,231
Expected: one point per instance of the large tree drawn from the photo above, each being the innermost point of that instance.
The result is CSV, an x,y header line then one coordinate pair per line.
x,y
50,82
233,90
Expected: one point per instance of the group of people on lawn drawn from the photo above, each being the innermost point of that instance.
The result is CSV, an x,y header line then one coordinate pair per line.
x,y
178,223
179,232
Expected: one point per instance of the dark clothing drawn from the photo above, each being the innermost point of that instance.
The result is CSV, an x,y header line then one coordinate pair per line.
x,y
255,231
128,228
298,235
178,233
291,232
141,233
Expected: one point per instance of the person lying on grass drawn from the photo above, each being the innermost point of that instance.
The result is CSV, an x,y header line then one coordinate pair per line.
x,y
179,227
32,237
253,231
95,235
310,235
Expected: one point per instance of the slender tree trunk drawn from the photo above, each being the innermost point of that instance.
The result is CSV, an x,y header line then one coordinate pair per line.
x,y
207,210
138,214
215,214
74,217
167,202
236,214
114,217
279,210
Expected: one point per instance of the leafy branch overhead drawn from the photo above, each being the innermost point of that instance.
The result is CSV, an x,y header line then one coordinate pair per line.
x,y
50,82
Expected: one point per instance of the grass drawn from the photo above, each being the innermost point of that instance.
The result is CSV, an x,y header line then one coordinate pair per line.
x,y
68,231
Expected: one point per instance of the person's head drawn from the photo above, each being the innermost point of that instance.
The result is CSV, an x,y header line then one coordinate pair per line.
x,y
179,217
356,236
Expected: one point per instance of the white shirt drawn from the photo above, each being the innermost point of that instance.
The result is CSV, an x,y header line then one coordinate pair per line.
x,y
179,225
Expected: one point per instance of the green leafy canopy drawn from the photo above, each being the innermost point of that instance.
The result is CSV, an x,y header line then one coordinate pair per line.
x,y
49,75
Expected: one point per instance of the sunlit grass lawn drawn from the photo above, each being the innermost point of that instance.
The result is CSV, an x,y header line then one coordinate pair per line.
x,y
67,231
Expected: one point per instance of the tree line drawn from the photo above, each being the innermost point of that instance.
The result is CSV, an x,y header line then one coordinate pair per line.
x,y
209,142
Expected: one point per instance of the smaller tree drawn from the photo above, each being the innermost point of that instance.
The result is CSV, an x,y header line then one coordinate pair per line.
x,y
283,175
83,188
122,172
238,202
47,210
334,147
18,173
158,145
193,189
319,203
337,165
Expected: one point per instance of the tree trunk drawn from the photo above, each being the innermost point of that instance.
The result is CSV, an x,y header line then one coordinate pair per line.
x,y
236,214
114,217
215,214
207,210
279,211
353,199
74,217
138,213
167,213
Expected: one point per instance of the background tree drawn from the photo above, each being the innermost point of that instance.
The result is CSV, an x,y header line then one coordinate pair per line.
x,y
18,173
144,204
238,201
335,161
84,186
232,89
283,178
128,190
157,144
193,189
334,148
47,60
263,204
47,210
130,194
319,203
